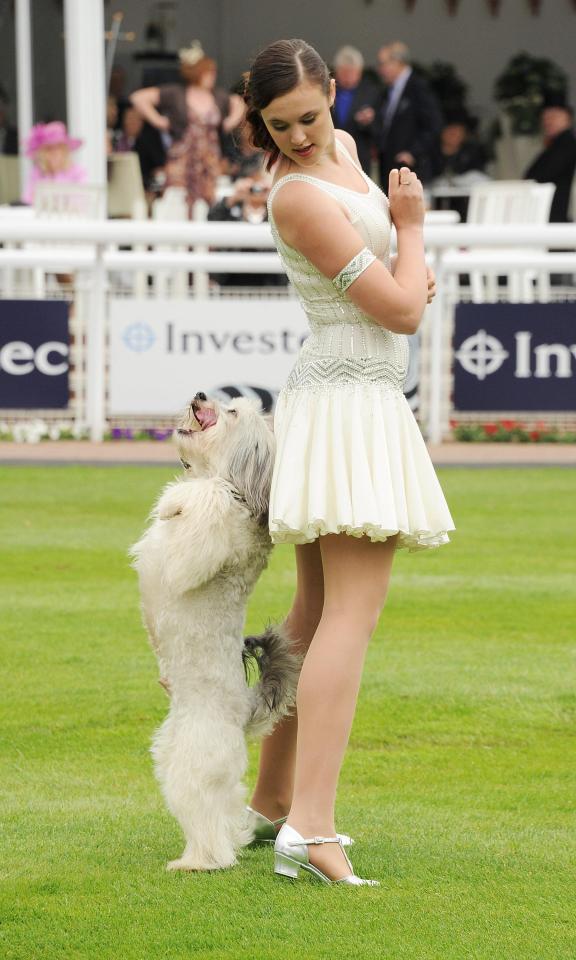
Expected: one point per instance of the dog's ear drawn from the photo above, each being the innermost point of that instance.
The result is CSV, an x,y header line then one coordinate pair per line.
x,y
250,472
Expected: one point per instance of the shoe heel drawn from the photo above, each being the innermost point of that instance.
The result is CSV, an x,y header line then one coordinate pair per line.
x,y
285,866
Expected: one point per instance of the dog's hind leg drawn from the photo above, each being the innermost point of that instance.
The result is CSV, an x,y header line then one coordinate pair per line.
x,y
200,768
274,695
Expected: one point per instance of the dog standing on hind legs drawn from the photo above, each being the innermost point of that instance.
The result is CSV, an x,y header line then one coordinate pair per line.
x,y
197,564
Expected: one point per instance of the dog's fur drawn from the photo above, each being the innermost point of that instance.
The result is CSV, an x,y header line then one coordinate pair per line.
x,y
197,563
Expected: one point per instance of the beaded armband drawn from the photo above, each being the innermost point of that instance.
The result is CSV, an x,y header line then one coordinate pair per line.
x,y
353,269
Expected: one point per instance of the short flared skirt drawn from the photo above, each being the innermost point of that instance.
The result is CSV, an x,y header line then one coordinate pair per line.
x,y
351,459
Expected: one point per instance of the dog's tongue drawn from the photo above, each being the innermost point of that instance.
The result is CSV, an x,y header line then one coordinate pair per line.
x,y
206,417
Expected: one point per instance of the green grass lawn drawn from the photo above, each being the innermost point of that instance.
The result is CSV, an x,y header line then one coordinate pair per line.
x,y
458,785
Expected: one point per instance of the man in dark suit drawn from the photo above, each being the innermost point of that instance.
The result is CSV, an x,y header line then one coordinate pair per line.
x,y
410,118
557,162
357,102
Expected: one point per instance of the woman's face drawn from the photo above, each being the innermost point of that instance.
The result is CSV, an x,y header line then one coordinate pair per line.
x,y
208,79
300,122
53,159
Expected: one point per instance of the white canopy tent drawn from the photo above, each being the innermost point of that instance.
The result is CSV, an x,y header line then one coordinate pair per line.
x,y
85,81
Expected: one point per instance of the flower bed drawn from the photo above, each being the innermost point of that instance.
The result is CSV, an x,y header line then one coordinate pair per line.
x,y
130,433
509,431
34,431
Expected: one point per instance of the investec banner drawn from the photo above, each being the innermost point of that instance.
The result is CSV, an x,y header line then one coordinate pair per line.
x,y
162,352
515,356
34,346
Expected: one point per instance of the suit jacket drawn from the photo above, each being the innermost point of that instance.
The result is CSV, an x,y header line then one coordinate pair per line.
x,y
557,164
10,147
367,94
415,128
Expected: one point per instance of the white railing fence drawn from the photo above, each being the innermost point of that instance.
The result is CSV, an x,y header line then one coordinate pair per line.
x,y
93,254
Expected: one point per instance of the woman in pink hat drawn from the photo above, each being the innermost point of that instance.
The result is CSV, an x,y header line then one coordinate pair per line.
x,y
51,148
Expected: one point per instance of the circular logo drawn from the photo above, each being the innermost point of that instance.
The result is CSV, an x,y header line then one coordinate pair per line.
x,y
139,337
266,397
481,355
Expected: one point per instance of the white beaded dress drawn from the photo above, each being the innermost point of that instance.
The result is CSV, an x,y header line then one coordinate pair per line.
x,y
350,456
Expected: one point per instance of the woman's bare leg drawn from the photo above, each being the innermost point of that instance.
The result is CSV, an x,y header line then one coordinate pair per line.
x,y
356,575
273,791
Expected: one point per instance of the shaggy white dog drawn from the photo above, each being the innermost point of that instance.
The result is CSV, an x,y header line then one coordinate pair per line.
x,y
197,563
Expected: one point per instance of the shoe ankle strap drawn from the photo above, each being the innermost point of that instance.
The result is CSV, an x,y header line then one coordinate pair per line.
x,y
298,843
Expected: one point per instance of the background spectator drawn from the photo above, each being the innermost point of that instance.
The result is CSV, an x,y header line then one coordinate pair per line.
x,y
137,136
358,99
50,148
246,204
8,133
410,119
242,158
461,152
557,162
192,113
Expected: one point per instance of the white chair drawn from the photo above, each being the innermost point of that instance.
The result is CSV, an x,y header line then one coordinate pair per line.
x,y
68,201
173,206
126,196
510,202
9,179
64,201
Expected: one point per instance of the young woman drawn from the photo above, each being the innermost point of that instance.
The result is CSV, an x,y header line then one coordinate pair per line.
x,y
352,478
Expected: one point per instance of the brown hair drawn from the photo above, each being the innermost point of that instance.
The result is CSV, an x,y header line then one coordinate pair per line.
x,y
192,73
277,69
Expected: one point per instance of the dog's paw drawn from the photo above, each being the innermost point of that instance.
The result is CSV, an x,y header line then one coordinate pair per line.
x,y
190,865
181,864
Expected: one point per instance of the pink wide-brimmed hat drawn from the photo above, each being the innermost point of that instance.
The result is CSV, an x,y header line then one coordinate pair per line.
x,y
50,135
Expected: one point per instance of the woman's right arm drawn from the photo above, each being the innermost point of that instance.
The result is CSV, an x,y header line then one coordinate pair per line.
x,y
313,223
146,101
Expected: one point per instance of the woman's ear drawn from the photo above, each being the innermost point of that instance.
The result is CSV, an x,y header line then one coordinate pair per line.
x,y
332,92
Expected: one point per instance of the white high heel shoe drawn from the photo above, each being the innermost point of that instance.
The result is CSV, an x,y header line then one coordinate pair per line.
x,y
264,830
291,856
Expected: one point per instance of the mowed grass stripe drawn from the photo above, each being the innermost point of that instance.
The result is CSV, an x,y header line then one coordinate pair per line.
x,y
458,785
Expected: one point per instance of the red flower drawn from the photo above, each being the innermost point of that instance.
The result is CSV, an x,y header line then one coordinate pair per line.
x,y
509,424
534,434
490,428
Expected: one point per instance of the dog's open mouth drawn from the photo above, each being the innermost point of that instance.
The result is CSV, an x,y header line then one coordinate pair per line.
x,y
202,419
205,416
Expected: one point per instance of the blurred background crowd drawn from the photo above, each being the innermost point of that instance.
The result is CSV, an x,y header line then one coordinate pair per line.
x,y
188,131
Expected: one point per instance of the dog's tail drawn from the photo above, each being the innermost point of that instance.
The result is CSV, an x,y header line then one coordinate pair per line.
x,y
275,693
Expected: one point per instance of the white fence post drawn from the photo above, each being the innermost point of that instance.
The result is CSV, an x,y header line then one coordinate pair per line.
x,y
96,350
24,82
436,312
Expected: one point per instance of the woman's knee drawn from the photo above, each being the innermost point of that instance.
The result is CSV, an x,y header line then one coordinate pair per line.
x,y
358,620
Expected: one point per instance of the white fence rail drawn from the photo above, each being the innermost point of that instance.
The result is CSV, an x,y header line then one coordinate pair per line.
x,y
90,250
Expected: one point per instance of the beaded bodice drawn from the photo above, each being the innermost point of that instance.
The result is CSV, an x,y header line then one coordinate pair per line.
x,y
338,327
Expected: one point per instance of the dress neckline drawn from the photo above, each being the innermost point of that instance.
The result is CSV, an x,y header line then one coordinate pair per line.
x,y
308,176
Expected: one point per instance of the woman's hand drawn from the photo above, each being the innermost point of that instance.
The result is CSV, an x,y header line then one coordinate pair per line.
x,y
406,198
431,278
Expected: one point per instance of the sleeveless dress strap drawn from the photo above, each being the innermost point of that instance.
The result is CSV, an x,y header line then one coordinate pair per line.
x,y
288,178
347,153
325,185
